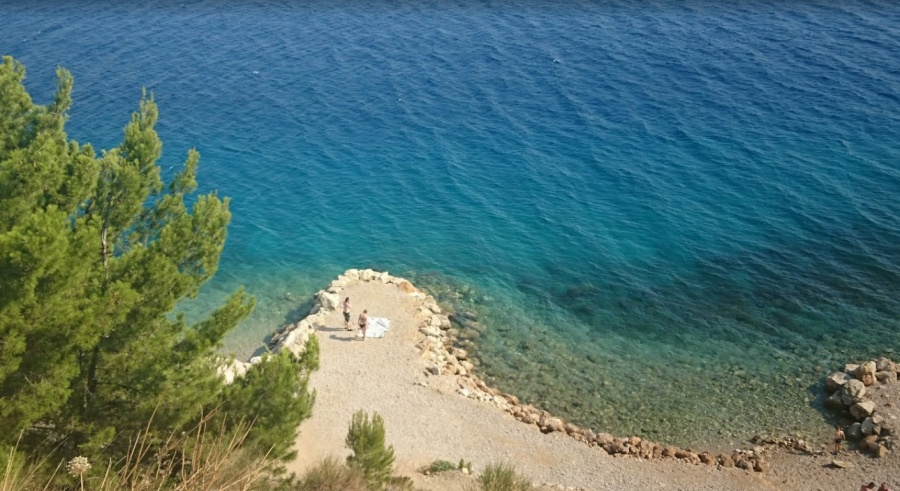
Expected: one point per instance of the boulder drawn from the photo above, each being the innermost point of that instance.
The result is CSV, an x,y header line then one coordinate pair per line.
x,y
881,451
645,449
885,365
868,379
867,427
430,330
329,301
434,370
862,410
836,380
761,465
603,438
869,443
554,424
886,377
868,367
531,418
854,432
725,460
852,392
835,401
850,368
406,287
841,464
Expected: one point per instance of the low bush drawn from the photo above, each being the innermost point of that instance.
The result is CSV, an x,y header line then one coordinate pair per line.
x,y
501,477
332,475
441,466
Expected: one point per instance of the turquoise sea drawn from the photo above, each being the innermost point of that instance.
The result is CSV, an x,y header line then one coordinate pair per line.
x,y
672,216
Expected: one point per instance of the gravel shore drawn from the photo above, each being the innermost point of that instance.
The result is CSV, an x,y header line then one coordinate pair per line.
x,y
427,420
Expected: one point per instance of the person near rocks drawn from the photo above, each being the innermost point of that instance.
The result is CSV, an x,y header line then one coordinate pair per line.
x,y
884,487
838,438
347,313
363,323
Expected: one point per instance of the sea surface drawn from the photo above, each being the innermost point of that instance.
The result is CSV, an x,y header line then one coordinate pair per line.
x,y
673,218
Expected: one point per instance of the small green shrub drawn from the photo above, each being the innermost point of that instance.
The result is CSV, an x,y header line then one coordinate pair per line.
x,y
370,456
331,475
501,477
440,466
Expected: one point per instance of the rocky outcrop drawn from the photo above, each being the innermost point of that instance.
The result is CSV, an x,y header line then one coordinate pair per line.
x,y
849,393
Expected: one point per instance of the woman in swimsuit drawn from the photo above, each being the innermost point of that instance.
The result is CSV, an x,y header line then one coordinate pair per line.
x,y
363,323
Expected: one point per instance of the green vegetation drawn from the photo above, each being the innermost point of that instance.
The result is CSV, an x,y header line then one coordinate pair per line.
x,y
95,253
332,475
201,460
366,439
501,477
441,466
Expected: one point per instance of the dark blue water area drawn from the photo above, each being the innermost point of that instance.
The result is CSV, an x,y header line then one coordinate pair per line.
x,y
660,186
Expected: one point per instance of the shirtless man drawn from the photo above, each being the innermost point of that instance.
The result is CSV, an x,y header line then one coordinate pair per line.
x,y
363,323
347,313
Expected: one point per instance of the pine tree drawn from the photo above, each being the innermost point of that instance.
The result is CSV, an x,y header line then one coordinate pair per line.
x,y
274,399
366,440
95,253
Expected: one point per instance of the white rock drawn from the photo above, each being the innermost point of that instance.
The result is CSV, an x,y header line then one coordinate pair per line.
x,y
852,392
836,380
431,331
329,301
862,409
256,360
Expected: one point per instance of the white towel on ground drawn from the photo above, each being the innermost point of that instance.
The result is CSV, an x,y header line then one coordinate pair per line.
x,y
377,327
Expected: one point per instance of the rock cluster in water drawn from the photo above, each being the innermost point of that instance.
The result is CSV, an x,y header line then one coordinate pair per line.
x,y
850,392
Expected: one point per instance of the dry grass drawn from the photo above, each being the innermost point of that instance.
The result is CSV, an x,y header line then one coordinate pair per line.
x,y
331,475
501,477
207,459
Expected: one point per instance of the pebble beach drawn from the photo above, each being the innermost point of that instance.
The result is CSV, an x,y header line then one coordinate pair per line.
x,y
430,417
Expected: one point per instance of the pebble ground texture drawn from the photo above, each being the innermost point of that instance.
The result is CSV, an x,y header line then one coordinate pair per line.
x,y
426,420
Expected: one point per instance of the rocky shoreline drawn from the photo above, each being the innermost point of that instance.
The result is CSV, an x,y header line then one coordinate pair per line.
x,y
443,338
444,358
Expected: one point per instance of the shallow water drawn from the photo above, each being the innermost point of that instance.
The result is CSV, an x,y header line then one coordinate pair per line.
x,y
672,218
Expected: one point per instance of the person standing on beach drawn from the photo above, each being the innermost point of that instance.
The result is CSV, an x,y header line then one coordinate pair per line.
x,y
838,438
363,323
884,487
347,313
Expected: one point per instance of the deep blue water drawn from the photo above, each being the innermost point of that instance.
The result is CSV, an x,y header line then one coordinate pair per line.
x,y
672,215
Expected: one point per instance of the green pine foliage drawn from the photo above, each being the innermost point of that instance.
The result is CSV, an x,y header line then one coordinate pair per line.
x,y
275,399
366,439
95,253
